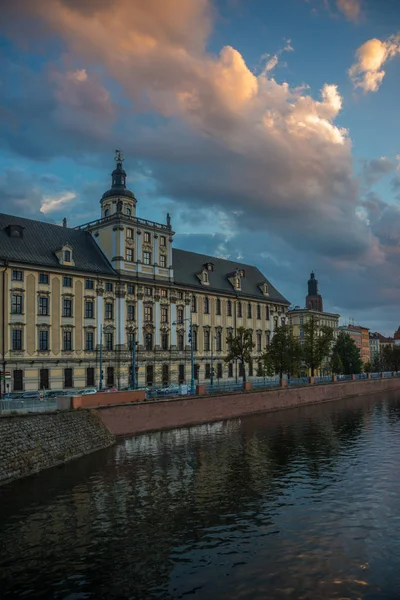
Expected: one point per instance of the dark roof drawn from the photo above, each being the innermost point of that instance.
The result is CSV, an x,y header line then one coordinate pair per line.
x,y
118,191
188,264
40,242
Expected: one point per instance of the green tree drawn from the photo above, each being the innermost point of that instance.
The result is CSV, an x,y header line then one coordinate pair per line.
x,y
336,364
368,368
390,358
317,343
349,354
283,355
240,347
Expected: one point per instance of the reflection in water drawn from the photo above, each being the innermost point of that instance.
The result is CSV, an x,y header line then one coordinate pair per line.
x,y
302,503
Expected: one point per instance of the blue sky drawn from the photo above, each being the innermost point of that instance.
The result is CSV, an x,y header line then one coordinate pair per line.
x,y
268,129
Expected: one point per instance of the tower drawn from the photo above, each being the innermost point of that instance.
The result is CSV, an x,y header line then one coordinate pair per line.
x,y
313,299
118,198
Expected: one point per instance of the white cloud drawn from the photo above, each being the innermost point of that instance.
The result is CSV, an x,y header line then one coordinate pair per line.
x,y
367,72
57,202
350,8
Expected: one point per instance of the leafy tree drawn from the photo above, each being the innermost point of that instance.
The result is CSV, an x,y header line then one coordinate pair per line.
x,y
349,354
317,343
390,358
377,364
240,347
283,355
336,364
368,368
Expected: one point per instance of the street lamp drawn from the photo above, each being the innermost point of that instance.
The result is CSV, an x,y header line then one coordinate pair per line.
x,y
213,337
133,367
191,347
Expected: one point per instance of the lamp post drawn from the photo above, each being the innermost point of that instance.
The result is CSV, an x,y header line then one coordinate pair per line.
x,y
133,366
101,358
191,347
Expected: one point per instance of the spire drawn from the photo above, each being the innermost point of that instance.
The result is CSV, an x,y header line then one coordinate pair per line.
x,y
118,175
312,285
313,299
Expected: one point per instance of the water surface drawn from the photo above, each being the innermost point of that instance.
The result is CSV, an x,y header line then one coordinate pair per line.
x,y
298,504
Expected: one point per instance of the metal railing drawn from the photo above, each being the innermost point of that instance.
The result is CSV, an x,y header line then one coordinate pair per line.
x,y
267,382
223,386
297,381
25,405
323,379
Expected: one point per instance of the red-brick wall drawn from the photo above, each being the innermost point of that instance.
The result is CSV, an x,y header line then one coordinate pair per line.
x,y
166,414
103,398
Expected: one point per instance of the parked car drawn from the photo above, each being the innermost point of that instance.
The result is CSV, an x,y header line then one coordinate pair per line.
x,y
55,393
87,391
109,389
12,395
33,395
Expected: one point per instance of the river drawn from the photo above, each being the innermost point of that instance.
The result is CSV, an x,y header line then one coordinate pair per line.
x,y
297,504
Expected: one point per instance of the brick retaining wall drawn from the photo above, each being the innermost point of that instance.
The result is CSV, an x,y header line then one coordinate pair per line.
x,y
35,441
167,414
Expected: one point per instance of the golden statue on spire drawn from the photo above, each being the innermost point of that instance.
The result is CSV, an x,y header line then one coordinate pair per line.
x,y
119,157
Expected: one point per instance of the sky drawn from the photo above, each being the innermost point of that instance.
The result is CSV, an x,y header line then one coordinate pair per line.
x,y
268,129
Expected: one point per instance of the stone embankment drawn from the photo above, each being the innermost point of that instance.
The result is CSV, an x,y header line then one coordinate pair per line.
x,y
32,442
178,412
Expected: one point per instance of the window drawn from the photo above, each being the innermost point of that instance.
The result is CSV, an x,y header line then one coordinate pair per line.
x,y
89,341
67,282
16,339
128,211
43,340
180,295
164,314
16,304
230,370
194,304
131,312
67,307
106,212
163,261
241,370
109,286
250,368
301,332
239,310
164,293
148,342
196,371
148,313
147,258
129,233
219,370
130,340
208,371
205,277
218,339
89,284
67,340
17,276
249,311
206,305
67,255
181,342
267,312
129,254
148,291
147,237
267,338
229,308
301,320
18,383
44,379
89,309
206,340
181,374
109,310
237,283
259,342
195,344
109,341
90,376
218,306
43,305
258,312
179,315
131,288
164,341
43,278
165,375
110,376
149,375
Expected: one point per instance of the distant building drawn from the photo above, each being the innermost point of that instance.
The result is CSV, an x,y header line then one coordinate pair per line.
x,y
314,299
361,338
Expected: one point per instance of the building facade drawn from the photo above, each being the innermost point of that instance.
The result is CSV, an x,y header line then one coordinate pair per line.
x,y
360,336
114,297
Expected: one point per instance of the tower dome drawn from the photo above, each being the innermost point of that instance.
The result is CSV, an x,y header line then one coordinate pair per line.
x,y
118,195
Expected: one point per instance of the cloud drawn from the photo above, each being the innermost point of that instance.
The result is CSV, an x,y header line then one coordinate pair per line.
x,y
350,8
266,160
52,204
374,170
367,72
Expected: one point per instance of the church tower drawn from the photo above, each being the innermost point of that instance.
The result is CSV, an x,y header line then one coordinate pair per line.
x,y
118,198
313,299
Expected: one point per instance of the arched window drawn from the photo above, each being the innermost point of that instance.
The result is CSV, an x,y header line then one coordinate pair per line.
x,y
128,211
206,340
194,334
106,212
206,305
205,277
218,306
218,339
149,341
194,304
67,256
229,308
239,310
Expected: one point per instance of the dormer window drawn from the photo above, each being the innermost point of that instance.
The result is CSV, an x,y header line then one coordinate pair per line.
x,y
67,256
15,231
209,266
237,283
205,277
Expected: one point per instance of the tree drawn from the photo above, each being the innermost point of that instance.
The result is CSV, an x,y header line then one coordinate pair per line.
x,y
283,355
349,354
391,358
240,347
368,368
336,364
317,343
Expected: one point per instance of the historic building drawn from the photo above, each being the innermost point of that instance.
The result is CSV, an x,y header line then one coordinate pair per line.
x,y
314,299
360,336
74,298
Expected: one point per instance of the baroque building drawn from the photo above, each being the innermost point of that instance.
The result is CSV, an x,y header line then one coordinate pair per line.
x,y
73,299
